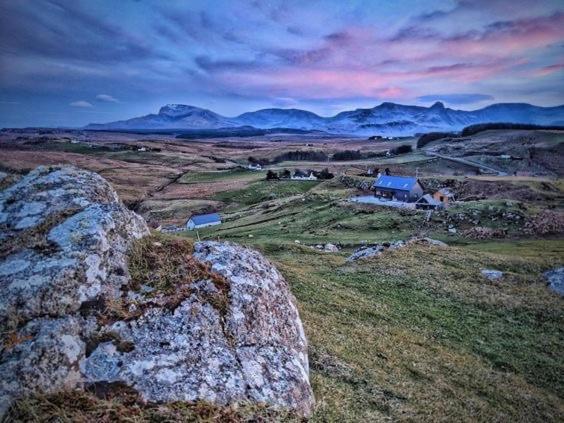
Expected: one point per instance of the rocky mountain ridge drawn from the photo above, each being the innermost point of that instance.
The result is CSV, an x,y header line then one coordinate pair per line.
x,y
384,119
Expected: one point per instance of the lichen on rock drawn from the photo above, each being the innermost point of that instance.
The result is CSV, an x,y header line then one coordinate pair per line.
x,y
213,322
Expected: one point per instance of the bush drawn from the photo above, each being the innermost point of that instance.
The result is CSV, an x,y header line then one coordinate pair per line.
x,y
402,149
324,174
271,175
285,174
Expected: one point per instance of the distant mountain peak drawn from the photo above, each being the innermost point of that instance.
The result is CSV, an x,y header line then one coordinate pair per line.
x,y
385,119
177,109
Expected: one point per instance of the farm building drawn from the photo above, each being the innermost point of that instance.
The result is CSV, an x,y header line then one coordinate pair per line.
x,y
444,195
427,202
399,188
303,176
203,220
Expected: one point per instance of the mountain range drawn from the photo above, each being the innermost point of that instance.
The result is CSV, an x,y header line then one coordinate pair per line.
x,y
388,119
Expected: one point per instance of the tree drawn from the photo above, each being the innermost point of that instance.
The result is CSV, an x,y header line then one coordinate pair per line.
x,y
271,175
285,174
324,174
387,171
402,149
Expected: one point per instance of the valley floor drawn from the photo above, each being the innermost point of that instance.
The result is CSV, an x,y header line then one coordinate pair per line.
x,y
415,334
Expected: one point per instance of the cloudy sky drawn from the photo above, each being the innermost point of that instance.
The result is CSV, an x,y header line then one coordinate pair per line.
x,y
78,61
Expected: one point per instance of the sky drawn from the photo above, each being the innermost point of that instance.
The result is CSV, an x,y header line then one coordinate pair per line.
x,y
70,63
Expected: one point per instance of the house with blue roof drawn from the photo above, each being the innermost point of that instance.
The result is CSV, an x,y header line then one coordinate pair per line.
x,y
398,188
203,220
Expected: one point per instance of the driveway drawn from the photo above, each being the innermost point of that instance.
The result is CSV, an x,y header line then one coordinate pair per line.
x,y
369,199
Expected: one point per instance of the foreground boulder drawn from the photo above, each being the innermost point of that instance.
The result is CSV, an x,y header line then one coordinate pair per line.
x,y
74,318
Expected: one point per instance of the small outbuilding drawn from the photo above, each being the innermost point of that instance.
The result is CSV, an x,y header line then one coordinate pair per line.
x,y
427,202
399,188
203,220
444,196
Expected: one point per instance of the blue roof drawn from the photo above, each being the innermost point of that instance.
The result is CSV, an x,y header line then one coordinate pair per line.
x,y
403,183
202,219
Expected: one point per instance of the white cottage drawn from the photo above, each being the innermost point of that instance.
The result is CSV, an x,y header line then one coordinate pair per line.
x,y
202,221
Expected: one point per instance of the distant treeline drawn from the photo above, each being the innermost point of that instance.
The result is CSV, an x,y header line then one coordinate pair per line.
x,y
241,131
474,129
480,127
320,156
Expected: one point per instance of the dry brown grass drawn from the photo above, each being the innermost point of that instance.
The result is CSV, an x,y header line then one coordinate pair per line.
x,y
165,266
35,237
121,404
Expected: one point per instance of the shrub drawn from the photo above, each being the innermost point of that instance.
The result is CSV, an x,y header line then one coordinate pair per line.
x,y
271,175
402,149
324,174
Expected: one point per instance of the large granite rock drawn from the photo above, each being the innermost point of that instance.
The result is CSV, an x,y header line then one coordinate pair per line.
x,y
63,264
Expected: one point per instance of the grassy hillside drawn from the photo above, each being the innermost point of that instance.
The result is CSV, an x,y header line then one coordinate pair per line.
x,y
418,333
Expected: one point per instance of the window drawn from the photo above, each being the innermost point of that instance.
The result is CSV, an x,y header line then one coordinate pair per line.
x,y
442,198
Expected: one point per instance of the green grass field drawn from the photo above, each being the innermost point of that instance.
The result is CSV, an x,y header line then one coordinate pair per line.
x,y
417,334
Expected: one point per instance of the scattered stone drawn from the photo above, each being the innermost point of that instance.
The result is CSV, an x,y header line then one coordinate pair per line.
x,y
452,230
297,241
480,232
377,249
555,278
331,248
492,275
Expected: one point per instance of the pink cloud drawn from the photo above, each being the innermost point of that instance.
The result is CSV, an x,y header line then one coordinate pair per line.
x,y
548,70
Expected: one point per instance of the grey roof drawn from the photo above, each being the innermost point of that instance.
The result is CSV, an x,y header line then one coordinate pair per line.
x,y
446,191
428,198
202,219
403,183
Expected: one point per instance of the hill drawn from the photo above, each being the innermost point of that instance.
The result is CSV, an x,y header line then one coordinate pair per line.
x,y
389,119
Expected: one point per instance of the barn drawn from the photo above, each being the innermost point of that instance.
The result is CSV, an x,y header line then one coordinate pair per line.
x,y
203,220
399,188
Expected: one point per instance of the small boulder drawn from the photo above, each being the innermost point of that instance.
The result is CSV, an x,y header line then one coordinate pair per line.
x,y
491,274
331,248
555,278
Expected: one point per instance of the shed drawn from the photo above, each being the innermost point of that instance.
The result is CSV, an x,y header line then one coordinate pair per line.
x,y
203,220
444,195
400,188
427,202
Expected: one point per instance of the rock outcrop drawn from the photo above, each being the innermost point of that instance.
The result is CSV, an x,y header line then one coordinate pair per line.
x,y
64,241
377,249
